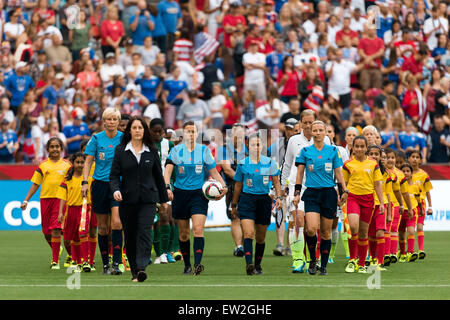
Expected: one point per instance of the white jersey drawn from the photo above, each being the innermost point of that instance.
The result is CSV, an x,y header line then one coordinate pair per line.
x,y
344,153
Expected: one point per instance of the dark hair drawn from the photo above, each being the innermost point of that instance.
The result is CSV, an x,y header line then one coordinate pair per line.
x,y
386,83
409,154
374,146
283,67
406,165
390,150
359,138
156,121
125,116
127,133
83,143
61,144
72,159
189,123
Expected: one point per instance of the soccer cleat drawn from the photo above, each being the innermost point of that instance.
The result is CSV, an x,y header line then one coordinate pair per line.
x,y
299,266
351,266
54,266
170,259
374,262
386,261
394,258
107,269
116,270
86,267
323,271
93,266
402,258
411,257
163,258
157,260
198,268
250,269
362,269
331,260
177,255
141,276
77,269
422,255
367,262
312,270
187,270
287,252
381,268
122,267
238,251
258,270
278,251
110,259
68,262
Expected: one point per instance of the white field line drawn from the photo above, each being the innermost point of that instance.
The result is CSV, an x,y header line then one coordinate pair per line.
x,y
233,285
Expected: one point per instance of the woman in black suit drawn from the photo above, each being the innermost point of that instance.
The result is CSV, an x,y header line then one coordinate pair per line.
x,y
137,183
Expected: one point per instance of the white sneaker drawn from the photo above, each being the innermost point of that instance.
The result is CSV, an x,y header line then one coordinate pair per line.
x,y
164,258
157,260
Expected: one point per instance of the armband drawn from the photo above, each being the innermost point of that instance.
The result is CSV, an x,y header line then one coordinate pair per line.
x,y
84,182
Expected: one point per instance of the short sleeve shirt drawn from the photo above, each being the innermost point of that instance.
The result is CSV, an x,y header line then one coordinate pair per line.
x,y
256,177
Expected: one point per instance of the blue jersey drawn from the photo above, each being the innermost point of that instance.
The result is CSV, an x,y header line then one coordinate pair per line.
x,y
148,87
320,165
422,140
385,137
192,168
408,140
256,177
170,13
174,87
101,147
51,94
142,30
72,131
18,86
160,29
274,61
8,136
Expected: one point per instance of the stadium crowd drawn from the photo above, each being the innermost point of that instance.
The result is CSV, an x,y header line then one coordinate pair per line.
x,y
221,62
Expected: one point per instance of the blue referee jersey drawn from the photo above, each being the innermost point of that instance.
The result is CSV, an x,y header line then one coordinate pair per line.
x,y
256,177
319,165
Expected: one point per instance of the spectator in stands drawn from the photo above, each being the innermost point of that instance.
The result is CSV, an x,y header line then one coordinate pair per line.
x,y
294,112
149,51
18,84
131,101
216,106
8,142
112,32
136,68
371,50
170,12
141,24
88,78
110,69
80,36
437,140
57,52
6,112
442,101
76,132
347,32
288,80
255,63
14,28
434,26
194,109
150,85
52,92
407,140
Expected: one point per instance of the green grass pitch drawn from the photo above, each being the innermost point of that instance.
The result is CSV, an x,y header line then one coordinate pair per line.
x,y
26,275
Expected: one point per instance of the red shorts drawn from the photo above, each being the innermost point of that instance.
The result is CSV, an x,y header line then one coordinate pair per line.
x,y
93,218
396,217
406,221
72,223
378,221
362,205
421,219
49,215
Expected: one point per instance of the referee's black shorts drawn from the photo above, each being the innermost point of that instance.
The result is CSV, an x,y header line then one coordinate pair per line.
x,y
321,200
102,197
188,202
257,207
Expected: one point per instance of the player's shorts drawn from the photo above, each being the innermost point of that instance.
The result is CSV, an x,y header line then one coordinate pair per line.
x,y
93,218
49,215
396,217
421,219
301,204
188,202
321,200
72,223
378,221
406,221
257,207
362,205
102,197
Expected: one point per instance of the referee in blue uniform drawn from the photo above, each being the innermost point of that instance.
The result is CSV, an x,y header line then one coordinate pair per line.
x,y
251,200
192,162
322,163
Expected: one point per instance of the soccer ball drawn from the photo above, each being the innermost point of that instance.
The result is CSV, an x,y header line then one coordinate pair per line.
x,y
211,189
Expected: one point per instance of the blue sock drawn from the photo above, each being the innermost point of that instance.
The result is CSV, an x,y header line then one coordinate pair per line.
x,y
199,245
325,247
103,246
116,239
248,250
259,252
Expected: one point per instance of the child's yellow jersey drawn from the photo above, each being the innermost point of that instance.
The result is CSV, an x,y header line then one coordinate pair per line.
x,y
360,176
70,191
49,176
386,186
422,179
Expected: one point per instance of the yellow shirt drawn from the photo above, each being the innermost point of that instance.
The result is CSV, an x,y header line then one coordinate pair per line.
x,y
70,191
422,179
400,183
49,176
386,186
91,173
360,176
414,191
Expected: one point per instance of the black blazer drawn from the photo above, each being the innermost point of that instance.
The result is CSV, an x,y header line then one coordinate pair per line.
x,y
138,182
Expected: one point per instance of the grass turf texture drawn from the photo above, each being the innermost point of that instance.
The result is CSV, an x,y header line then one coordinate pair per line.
x,y
26,275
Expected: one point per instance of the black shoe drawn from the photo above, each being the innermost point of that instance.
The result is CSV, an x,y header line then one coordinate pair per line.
x,y
115,270
312,270
258,269
198,268
323,271
386,261
187,270
250,268
107,269
141,276
238,252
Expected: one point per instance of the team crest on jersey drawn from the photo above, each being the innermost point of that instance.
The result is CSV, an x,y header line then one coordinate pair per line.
x,y
198,169
181,170
328,166
266,179
311,168
369,171
61,172
249,183
101,155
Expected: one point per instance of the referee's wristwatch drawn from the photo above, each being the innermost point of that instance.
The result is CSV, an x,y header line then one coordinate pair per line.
x,y
84,182
345,191
168,187
234,205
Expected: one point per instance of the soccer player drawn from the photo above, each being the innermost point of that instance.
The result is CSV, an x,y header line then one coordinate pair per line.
x,y
399,197
193,162
377,226
49,175
323,164
288,177
370,133
232,152
420,177
408,222
101,150
163,227
362,177
251,200
340,216
70,193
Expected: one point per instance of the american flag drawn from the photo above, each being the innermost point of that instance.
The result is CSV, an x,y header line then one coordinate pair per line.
x,y
424,115
314,99
207,46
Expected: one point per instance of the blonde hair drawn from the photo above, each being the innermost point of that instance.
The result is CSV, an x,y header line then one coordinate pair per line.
x,y
370,128
321,123
111,111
